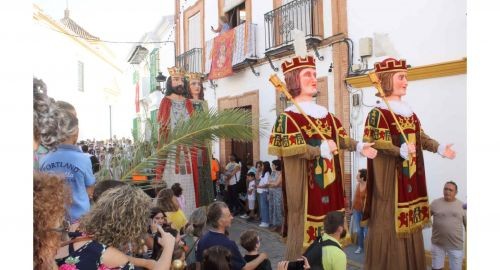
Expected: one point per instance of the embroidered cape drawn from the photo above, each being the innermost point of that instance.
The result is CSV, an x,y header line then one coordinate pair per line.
x,y
411,202
291,135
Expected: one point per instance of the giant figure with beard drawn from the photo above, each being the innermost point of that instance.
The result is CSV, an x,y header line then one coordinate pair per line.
x,y
175,107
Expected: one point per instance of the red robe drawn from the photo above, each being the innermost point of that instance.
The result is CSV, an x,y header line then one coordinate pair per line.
x,y
164,126
312,185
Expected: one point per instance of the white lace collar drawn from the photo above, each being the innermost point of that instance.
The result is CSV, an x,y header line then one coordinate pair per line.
x,y
310,108
398,107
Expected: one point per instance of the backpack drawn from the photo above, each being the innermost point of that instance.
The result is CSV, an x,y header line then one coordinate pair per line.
x,y
314,252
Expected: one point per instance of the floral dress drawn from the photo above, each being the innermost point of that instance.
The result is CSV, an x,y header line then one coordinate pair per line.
x,y
89,256
275,202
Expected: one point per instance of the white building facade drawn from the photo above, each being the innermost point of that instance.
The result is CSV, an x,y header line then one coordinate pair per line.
x,y
430,35
80,69
153,55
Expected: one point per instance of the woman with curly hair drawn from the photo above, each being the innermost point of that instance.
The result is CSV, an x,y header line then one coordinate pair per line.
x,y
50,196
119,217
167,201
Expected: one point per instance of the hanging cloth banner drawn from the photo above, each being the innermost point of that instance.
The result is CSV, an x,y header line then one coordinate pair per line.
x,y
222,56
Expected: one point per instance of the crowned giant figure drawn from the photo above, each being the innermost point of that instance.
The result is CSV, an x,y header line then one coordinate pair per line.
x,y
175,107
312,182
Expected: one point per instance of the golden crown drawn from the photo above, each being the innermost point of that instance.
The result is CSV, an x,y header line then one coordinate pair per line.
x,y
406,122
194,76
176,71
324,128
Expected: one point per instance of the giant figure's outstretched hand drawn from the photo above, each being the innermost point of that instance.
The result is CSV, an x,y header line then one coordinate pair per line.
x,y
368,151
448,152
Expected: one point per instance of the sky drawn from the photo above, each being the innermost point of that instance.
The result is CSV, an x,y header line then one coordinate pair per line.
x,y
115,20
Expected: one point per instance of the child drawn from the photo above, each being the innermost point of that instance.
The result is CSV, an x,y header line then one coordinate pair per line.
x,y
250,241
177,189
250,196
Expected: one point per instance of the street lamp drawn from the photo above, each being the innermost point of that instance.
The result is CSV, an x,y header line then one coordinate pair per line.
x,y
162,80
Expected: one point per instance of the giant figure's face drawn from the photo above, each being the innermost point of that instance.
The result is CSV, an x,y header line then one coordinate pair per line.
x,y
399,84
195,87
178,85
308,82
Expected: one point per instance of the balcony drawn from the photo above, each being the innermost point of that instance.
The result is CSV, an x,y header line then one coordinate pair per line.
x,y
190,61
305,15
244,50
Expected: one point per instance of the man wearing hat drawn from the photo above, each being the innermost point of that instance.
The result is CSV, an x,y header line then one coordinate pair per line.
x,y
313,177
175,107
397,206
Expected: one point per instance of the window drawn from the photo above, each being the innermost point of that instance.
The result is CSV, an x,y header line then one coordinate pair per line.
x,y
135,128
237,15
135,77
194,31
80,76
154,63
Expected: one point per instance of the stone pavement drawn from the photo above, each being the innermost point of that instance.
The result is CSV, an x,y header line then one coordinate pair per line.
x,y
273,244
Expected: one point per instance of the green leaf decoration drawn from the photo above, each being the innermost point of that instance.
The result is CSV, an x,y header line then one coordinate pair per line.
x,y
200,129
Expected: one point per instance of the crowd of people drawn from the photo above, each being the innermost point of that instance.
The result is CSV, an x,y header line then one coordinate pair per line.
x,y
252,192
81,223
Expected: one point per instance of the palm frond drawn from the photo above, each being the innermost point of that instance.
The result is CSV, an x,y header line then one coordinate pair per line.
x,y
197,131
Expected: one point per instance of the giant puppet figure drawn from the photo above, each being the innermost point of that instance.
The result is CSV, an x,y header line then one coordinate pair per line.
x,y
313,178
201,158
397,206
175,107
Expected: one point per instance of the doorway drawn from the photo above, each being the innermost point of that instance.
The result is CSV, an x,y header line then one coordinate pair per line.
x,y
243,150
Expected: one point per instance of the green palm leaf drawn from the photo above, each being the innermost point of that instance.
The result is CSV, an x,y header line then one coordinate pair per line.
x,y
197,131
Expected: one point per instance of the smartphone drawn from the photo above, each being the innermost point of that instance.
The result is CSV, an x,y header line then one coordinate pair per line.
x,y
157,248
296,265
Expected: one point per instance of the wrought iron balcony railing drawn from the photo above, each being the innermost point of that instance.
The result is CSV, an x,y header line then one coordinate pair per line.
x,y
244,48
191,60
304,15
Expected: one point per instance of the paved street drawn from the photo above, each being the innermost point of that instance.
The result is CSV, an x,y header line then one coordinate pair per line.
x,y
273,245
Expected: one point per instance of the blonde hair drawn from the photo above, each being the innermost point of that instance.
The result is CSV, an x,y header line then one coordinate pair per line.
x,y
166,200
51,195
120,216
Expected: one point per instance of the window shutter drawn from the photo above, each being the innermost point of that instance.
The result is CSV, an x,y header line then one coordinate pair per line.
x,y
80,76
135,129
153,69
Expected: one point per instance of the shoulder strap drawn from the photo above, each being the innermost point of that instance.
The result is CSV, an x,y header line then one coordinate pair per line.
x,y
329,243
192,248
77,239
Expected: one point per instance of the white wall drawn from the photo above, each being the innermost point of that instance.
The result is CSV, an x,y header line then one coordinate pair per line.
x,y
423,32
55,58
327,18
259,8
